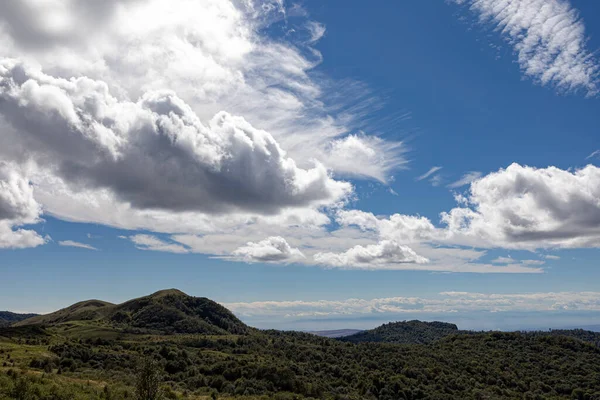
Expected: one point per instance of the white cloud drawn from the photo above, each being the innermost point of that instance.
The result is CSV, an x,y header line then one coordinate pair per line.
x,y
593,155
71,243
526,207
383,255
365,156
152,243
154,153
548,37
398,227
273,249
503,260
518,207
316,31
16,196
117,109
465,179
446,302
17,207
427,174
551,257
510,260
213,54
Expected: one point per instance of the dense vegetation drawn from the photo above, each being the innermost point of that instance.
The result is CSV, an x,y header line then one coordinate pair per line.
x,y
419,332
99,359
8,318
405,332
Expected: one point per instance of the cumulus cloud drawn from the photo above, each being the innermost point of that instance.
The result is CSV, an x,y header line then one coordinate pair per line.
x,y
399,227
518,207
17,207
16,196
71,243
272,249
548,37
154,153
526,207
384,254
213,54
445,302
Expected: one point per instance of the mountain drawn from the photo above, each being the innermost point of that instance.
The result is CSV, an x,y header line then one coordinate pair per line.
x,y
405,332
166,311
336,333
8,318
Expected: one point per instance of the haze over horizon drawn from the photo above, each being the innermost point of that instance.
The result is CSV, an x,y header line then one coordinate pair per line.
x,y
308,167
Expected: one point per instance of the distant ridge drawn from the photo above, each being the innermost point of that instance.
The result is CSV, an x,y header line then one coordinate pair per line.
x,y
336,333
405,332
83,311
419,332
8,318
166,311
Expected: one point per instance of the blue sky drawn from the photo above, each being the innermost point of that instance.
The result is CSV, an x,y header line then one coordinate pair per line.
x,y
281,154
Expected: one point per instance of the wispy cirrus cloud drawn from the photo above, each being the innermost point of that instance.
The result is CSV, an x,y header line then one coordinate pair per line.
x,y
593,155
548,37
72,243
465,179
427,174
153,243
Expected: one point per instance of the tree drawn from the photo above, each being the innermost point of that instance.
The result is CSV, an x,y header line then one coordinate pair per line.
x,y
148,381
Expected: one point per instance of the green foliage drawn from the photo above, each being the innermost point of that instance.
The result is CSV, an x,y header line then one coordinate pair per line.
x,y
405,332
21,386
223,358
147,385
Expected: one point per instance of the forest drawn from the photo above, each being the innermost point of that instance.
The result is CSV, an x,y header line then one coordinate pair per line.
x,y
105,352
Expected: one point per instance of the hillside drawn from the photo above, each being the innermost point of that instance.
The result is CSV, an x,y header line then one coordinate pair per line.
x,y
294,365
93,349
405,332
83,311
8,318
176,312
166,311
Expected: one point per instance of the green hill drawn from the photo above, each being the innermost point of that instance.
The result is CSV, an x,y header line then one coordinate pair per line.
x,y
405,332
82,311
93,350
8,318
166,311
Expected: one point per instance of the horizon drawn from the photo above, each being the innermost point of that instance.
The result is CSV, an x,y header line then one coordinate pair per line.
x,y
465,321
304,165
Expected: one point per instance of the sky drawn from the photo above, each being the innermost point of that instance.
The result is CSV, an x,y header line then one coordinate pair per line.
x,y
306,164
